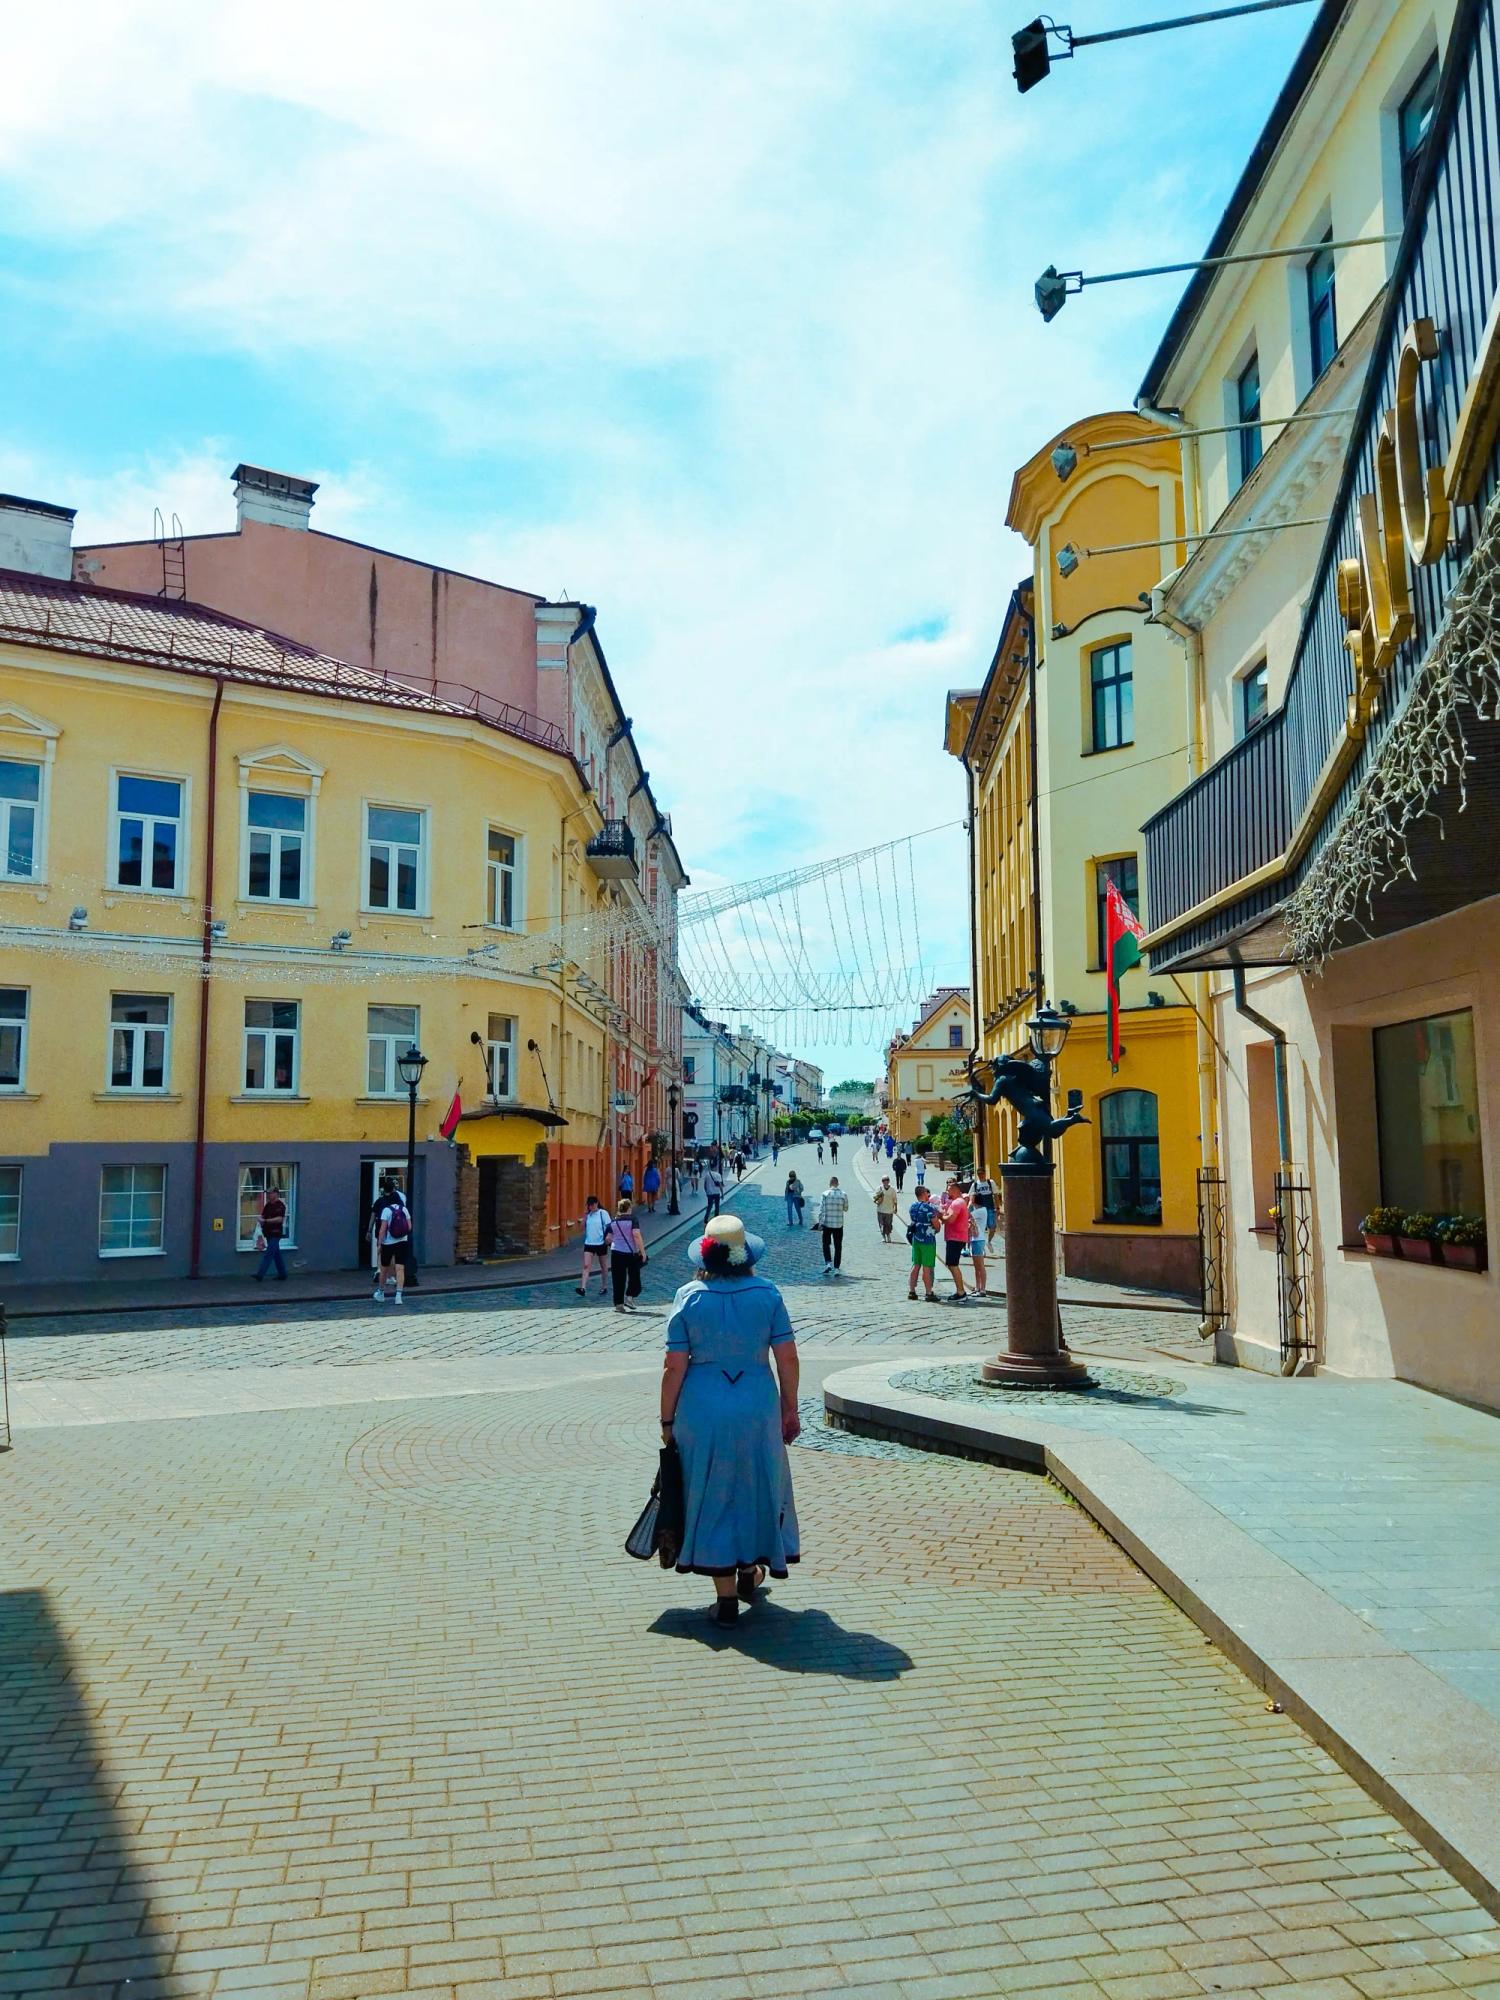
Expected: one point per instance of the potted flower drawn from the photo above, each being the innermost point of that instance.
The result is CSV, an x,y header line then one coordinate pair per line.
x,y
1419,1243
1463,1240
1381,1230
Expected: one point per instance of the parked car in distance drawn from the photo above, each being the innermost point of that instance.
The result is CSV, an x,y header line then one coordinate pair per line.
x,y
813,1135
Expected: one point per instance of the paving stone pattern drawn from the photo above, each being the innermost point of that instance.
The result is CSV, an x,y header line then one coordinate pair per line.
x,y
961,1382
331,1702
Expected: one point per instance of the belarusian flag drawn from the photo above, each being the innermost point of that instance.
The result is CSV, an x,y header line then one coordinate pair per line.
x,y
1122,949
452,1115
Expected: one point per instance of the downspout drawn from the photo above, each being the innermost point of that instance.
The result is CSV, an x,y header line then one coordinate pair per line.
x,y
201,1120
979,1131
1278,1045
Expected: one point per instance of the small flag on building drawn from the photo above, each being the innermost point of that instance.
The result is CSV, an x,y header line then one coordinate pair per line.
x,y
452,1115
1122,949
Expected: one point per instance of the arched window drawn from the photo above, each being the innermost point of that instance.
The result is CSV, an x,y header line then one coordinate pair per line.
x,y
1130,1156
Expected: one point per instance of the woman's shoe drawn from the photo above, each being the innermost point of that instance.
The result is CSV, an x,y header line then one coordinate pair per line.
x,y
748,1581
726,1610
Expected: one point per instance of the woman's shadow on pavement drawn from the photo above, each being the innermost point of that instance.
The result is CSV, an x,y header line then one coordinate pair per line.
x,y
793,1642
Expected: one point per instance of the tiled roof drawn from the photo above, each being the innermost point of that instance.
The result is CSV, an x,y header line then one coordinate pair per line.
x,y
188,638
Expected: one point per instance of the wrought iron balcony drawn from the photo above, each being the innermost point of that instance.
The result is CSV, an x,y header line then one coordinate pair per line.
x,y
611,852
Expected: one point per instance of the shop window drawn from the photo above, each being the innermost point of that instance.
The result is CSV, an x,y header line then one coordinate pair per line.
x,y
132,1205
10,1214
1265,1142
256,1181
1427,1116
1130,1156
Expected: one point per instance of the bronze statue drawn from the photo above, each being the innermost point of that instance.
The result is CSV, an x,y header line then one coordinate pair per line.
x,y
1025,1083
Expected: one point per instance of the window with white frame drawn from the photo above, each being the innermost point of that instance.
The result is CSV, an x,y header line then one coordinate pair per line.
x,y
14,1003
275,847
257,1178
390,1032
502,1055
10,1214
504,901
1413,123
394,841
132,1210
140,1027
148,833
1255,699
20,820
272,1031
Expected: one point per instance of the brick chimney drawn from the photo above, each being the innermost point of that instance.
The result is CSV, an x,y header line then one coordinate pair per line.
x,y
36,537
275,498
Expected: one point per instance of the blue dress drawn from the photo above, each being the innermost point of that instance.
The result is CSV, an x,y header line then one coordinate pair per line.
x,y
737,1481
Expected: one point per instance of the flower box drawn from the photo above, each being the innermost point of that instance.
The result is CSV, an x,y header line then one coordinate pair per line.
x,y
1380,1245
1465,1256
1419,1250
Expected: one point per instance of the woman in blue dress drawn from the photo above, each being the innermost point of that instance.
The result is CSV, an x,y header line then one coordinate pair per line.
x,y
731,1420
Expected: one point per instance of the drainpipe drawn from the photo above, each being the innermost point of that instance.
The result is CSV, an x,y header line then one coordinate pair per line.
x,y
196,1248
1278,1045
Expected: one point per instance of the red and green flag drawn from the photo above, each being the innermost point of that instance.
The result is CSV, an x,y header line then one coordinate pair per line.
x,y
1122,949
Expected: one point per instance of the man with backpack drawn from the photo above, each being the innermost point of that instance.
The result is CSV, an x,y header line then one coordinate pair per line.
x,y
394,1236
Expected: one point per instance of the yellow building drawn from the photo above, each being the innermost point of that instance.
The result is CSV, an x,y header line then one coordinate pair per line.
x,y
927,1070
1074,739
240,878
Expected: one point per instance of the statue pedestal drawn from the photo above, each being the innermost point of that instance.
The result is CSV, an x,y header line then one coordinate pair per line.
x,y
1034,1356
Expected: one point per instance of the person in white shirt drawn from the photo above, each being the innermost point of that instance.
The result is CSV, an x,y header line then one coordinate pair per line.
x,y
832,1209
920,1163
713,1192
595,1248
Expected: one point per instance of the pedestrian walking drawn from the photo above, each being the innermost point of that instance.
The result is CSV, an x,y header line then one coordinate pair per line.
x,y
833,1208
713,1192
792,1193
651,1185
739,1166
957,1229
919,1168
627,1257
886,1203
922,1225
695,1174
626,1189
270,1230
775,1151
898,1168
731,1421
982,1195
890,1144
833,1150
394,1234
595,1248
820,1152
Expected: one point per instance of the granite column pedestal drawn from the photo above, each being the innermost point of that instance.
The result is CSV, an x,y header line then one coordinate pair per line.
x,y
1034,1356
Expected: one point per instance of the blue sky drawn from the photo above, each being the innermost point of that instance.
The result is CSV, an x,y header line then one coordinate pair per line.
x,y
718,316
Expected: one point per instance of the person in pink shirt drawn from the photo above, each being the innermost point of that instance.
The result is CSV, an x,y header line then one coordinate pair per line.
x,y
957,1229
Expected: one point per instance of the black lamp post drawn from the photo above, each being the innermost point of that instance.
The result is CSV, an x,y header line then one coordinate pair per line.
x,y
410,1065
1034,1356
674,1098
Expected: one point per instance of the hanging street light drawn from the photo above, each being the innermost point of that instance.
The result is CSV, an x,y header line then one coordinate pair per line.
x,y
1034,59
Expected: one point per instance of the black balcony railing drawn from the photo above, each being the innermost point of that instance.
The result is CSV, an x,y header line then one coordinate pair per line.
x,y
611,851
1271,799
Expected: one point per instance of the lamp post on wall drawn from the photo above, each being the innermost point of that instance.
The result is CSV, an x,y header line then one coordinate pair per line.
x,y
410,1066
1034,1355
674,1098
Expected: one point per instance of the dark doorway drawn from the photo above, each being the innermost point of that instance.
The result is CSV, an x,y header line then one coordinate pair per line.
x,y
489,1199
371,1174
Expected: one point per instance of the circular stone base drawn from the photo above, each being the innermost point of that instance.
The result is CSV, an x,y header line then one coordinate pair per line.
x,y
1023,1371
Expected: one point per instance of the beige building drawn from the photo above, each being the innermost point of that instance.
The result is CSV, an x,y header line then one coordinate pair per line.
x,y
928,1070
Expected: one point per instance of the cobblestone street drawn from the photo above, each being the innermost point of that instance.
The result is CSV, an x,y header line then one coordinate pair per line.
x,y
330,1697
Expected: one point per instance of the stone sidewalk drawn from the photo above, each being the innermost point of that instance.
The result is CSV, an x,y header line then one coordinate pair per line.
x,y
1337,1538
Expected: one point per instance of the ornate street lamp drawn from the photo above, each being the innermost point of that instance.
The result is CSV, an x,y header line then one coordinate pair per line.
x,y
410,1066
1034,1356
674,1098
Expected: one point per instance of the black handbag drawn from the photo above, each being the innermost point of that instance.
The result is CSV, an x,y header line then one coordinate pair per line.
x,y
658,1528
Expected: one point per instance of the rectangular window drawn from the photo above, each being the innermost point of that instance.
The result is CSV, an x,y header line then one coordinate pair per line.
x,y
690,1069
20,820
10,1214
275,841
502,1055
271,1036
393,858
1322,322
390,1032
256,1181
1126,878
13,1009
1113,696
1247,415
148,833
139,1027
1254,699
1427,1116
956,1036
1413,122
132,1205
501,868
